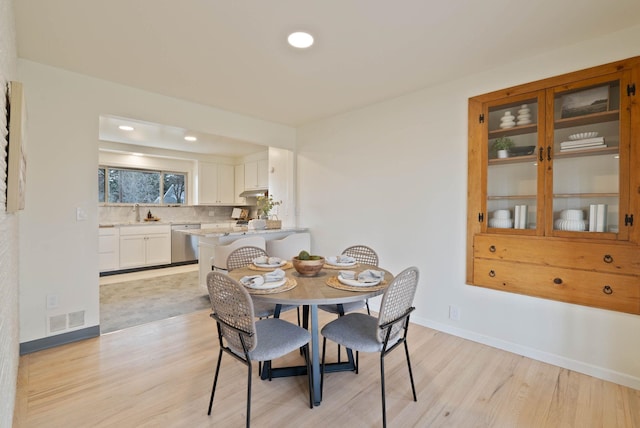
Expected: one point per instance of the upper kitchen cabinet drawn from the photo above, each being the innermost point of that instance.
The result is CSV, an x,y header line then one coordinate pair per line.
x,y
554,186
256,174
216,183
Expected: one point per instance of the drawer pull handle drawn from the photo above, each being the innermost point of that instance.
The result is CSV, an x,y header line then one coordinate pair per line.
x,y
557,281
607,258
607,289
492,273
492,248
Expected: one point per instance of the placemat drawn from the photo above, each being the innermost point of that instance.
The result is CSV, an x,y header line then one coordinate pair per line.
x,y
328,266
334,282
290,284
286,266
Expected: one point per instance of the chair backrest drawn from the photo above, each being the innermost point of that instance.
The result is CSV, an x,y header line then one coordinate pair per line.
x,y
289,246
241,257
233,305
221,252
362,254
397,300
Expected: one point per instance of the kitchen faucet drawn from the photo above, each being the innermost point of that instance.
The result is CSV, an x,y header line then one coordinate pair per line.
x,y
136,208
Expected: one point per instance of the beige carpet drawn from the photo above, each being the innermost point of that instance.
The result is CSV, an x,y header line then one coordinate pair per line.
x,y
129,303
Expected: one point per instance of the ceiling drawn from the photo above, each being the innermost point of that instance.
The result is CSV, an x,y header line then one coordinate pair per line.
x,y
233,54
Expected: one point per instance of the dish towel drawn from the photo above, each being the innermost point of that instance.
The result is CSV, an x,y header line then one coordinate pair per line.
x,y
371,275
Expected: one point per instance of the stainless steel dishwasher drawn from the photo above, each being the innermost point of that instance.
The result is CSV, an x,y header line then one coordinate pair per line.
x,y
184,247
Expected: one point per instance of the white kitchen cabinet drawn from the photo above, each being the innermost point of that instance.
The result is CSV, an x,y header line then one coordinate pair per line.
x,y
256,174
239,182
145,246
109,248
216,183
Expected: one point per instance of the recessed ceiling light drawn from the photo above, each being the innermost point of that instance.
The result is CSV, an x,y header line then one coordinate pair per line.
x,y
126,127
300,40
190,138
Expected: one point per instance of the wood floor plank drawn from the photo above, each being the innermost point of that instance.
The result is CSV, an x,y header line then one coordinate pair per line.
x,y
160,374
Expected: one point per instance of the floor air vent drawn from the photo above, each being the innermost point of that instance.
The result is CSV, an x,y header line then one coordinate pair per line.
x,y
57,323
76,319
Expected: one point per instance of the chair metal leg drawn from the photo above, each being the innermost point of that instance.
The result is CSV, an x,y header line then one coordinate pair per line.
x,y
324,348
248,393
215,382
413,387
384,404
366,302
309,374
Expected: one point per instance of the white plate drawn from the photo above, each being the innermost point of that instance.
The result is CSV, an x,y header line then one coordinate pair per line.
x,y
268,285
340,264
273,265
356,283
583,135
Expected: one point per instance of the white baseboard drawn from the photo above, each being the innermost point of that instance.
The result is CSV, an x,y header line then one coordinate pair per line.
x,y
546,357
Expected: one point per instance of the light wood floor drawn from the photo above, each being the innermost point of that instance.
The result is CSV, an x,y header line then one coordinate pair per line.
x,y
160,374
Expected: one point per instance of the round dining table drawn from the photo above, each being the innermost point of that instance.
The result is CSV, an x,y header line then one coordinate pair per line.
x,y
312,291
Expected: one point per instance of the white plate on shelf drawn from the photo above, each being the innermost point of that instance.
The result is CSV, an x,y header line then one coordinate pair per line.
x,y
272,265
583,135
267,285
356,283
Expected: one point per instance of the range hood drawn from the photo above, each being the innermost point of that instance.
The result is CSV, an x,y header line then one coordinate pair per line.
x,y
254,193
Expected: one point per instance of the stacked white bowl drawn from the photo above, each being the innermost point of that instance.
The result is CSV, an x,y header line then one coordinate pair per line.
x,y
572,220
501,219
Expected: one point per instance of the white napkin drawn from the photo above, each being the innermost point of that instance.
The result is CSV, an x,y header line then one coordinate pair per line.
x,y
274,260
371,275
262,260
276,275
252,280
340,259
347,274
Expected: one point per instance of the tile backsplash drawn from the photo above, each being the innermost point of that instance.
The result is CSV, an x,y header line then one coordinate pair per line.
x,y
188,214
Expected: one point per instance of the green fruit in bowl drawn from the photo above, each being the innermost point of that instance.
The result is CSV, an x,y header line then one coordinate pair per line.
x,y
304,255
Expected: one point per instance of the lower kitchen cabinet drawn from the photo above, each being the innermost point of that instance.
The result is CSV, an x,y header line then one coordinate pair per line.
x,y
109,248
145,246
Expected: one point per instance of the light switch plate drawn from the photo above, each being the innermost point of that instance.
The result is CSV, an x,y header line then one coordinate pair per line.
x,y
81,214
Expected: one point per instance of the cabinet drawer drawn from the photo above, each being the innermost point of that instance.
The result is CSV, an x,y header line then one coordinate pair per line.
x,y
602,290
609,258
145,230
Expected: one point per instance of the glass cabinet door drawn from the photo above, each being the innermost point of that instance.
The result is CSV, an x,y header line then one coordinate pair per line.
x,y
585,156
514,133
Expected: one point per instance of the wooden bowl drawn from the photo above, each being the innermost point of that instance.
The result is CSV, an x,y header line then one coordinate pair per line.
x,y
307,267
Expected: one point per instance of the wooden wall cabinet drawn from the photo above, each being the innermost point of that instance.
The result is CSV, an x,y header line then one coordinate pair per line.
x,y
557,218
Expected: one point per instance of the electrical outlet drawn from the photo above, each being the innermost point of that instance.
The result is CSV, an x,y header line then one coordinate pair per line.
x,y
212,213
454,312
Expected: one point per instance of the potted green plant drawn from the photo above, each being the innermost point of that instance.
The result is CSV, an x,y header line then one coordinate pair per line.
x,y
265,205
501,147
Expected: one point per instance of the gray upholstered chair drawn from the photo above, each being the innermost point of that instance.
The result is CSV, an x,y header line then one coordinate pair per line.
x,y
362,254
243,256
247,339
362,332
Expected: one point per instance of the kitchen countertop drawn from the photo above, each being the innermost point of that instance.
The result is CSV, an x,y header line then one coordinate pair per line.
x,y
237,231
147,223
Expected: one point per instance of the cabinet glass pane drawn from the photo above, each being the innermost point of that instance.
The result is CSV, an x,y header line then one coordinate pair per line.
x,y
586,171
512,172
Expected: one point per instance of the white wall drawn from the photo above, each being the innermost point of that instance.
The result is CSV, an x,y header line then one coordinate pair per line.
x,y
59,255
393,176
8,233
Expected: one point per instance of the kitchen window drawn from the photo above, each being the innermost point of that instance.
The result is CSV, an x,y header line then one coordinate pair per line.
x,y
138,186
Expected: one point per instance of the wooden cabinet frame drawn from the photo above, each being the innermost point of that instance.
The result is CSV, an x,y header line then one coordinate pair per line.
x,y
522,263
